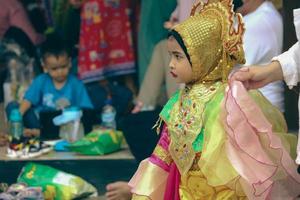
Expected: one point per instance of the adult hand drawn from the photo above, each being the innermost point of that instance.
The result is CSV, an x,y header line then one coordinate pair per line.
x,y
138,107
32,132
255,76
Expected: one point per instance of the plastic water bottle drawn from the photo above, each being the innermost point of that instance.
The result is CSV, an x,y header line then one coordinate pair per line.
x,y
15,124
71,128
108,115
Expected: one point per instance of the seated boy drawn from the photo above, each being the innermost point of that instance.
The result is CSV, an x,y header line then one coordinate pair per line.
x,y
53,90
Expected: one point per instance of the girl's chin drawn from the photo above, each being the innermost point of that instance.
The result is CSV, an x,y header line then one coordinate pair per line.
x,y
179,81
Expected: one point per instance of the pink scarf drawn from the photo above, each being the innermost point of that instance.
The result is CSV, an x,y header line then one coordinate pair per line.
x,y
246,125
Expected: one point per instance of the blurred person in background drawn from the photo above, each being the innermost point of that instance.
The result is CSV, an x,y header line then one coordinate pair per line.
x,y
263,39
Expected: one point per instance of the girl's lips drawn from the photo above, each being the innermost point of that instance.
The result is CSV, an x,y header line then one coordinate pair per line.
x,y
173,74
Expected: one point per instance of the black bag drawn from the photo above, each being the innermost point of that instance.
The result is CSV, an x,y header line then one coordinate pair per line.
x,y
138,132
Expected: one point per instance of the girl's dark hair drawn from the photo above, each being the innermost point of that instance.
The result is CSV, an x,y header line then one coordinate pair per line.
x,y
237,4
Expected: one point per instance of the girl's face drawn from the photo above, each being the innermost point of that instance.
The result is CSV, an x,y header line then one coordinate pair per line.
x,y
180,67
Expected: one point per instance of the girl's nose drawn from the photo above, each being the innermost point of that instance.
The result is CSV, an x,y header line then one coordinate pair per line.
x,y
171,65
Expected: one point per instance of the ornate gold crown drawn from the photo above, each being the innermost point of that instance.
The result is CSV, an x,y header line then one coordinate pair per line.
x,y
213,36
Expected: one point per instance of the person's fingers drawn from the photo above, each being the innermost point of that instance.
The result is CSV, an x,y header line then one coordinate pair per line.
x,y
118,191
233,75
27,132
112,195
138,107
256,84
167,25
36,132
244,69
135,110
242,75
114,191
111,186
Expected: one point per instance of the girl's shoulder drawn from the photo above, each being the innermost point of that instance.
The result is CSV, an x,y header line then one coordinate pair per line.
x,y
165,113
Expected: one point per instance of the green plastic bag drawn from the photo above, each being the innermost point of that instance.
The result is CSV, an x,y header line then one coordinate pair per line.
x,y
98,142
57,185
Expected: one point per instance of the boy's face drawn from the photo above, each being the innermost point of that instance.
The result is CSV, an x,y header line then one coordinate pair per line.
x,y
180,67
57,66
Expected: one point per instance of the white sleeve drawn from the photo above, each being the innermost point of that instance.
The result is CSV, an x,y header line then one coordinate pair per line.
x,y
259,47
252,46
297,22
290,64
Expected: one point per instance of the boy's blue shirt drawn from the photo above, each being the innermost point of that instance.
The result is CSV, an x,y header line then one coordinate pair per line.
x,y
44,96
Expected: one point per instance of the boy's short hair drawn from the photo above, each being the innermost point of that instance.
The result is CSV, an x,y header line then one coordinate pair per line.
x,y
54,46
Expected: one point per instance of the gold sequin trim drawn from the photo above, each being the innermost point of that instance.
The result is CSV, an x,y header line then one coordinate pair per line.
x,y
195,166
186,120
139,197
213,38
162,154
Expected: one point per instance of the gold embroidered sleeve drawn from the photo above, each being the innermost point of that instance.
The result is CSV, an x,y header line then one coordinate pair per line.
x,y
162,154
139,197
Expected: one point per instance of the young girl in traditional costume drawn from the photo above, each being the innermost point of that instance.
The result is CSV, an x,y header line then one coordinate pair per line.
x,y
218,141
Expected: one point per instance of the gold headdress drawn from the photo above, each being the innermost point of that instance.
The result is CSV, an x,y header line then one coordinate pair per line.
x,y
212,42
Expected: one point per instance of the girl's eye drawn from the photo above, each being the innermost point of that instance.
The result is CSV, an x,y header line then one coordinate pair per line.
x,y
177,56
